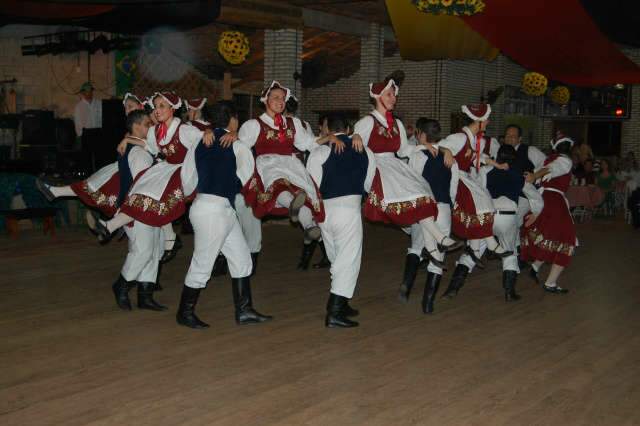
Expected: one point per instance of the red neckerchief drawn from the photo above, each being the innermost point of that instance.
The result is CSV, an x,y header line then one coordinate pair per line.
x,y
390,120
479,138
279,121
161,131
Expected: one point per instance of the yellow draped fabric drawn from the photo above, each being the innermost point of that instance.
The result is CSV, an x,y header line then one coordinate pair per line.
x,y
424,36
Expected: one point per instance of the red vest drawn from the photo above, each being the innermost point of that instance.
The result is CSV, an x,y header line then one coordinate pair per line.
x,y
561,183
383,140
465,163
268,142
174,151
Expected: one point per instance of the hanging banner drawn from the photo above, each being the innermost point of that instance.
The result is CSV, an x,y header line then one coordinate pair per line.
x,y
125,67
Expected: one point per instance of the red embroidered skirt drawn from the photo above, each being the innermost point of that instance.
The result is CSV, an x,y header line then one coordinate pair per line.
x,y
170,206
103,199
552,237
263,201
403,213
465,222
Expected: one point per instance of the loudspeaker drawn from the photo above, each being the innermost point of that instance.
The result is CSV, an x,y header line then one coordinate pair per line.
x,y
65,134
38,128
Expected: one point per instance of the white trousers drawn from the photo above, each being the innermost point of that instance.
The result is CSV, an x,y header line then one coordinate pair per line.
x,y
216,228
342,236
146,245
251,226
417,236
506,230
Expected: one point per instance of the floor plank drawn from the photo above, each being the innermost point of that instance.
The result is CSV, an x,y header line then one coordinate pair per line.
x,y
69,356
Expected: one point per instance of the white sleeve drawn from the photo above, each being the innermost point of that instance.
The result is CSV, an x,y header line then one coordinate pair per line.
x,y
139,160
190,135
248,133
406,149
417,161
453,143
536,156
558,167
304,140
363,128
534,197
315,161
494,148
371,170
245,164
152,146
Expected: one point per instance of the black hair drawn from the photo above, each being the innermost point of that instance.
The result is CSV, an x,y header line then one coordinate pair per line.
x,y
506,154
291,106
514,126
431,128
467,121
135,116
563,148
337,122
222,112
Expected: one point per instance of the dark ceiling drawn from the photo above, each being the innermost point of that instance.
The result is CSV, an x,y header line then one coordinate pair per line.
x,y
618,19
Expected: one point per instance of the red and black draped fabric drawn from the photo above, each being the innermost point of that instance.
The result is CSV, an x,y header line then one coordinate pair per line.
x,y
556,38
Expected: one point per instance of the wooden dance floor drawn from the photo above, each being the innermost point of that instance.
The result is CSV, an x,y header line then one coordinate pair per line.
x,y
69,357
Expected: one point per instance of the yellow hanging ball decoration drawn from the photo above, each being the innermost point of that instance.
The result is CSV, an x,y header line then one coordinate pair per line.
x,y
450,7
560,95
233,46
534,84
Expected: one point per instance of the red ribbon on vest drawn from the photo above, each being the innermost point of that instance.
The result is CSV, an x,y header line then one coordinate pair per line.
x,y
279,121
161,131
479,138
390,120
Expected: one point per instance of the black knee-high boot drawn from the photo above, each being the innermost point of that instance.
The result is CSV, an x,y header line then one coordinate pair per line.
x,y
324,262
254,263
457,281
307,254
430,291
186,314
121,291
219,266
245,314
509,279
410,270
336,316
145,298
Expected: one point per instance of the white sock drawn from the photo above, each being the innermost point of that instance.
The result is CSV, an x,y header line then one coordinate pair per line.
x,y
429,227
118,221
306,218
536,265
284,199
169,236
61,191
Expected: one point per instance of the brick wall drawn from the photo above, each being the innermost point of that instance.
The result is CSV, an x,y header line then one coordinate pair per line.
x,y
631,127
283,57
50,82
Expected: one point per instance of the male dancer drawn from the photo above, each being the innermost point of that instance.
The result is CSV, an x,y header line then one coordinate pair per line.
x,y
218,173
343,177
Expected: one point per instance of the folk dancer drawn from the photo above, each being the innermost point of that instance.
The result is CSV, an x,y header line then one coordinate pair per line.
x,y
218,174
343,177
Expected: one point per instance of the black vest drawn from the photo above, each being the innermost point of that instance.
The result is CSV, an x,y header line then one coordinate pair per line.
x,y
438,176
522,162
126,177
505,183
216,168
344,174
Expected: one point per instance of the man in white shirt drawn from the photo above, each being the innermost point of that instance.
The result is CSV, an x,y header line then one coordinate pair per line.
x,y
88,111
